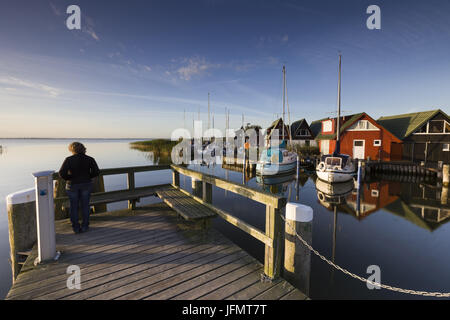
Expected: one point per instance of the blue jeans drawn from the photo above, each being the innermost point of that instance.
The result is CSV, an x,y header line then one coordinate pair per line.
x,y
79,193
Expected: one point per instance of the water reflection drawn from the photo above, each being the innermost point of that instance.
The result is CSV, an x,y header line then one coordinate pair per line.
x,y
423,205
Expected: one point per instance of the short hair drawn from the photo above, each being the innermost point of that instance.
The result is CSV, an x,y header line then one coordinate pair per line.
x,y
77,147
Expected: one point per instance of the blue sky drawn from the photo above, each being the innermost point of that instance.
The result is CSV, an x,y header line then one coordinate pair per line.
x,y
136,66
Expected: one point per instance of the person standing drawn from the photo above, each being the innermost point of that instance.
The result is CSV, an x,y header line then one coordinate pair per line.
x,y
78,170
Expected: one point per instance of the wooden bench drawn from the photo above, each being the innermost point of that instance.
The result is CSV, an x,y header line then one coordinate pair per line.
x,y
184,205
115,196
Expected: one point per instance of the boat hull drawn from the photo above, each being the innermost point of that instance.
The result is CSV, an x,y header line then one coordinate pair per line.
x,y
334,176
269,169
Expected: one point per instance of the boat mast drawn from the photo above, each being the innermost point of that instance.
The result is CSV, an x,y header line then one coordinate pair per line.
x,y
209,115
284,97
339,108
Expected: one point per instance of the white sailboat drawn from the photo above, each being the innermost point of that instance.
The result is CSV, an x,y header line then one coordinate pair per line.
x,y
276,159
336,167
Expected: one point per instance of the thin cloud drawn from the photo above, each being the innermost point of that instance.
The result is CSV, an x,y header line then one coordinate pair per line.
x,y
19,83
194,66
55,10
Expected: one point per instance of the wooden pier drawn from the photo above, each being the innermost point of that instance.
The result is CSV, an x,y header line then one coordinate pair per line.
x,y
163,251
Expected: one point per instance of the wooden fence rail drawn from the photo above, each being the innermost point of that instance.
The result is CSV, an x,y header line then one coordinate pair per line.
x,y
274,205
99,197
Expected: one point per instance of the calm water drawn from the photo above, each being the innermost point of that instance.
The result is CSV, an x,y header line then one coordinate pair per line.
x,y
400,227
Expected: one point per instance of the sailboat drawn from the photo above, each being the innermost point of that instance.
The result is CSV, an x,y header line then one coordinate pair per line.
x,y
276,159
336,167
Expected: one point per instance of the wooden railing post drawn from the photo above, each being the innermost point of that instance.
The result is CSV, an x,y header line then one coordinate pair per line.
x,y
272,261
175,178
131,186
60,191
207,192
197,188
99,186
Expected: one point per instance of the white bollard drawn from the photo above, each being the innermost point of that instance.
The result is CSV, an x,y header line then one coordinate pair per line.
x,y
45,216
297,257
298,212
445,175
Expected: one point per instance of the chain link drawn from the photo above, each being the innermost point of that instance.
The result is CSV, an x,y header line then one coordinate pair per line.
x,y
355,276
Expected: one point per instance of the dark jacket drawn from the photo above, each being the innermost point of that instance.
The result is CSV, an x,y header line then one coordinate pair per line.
x,y
79,168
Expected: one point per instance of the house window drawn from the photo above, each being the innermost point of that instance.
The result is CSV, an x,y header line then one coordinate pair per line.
x,y
446,147
374,193
376,143
327,126
362,124
303,132
436,126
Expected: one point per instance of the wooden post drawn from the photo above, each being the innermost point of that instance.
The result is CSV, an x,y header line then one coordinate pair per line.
x,y
197,188
207,192
445,175
175,178
21,225
272,260
99,186
131,186
60,191
297,257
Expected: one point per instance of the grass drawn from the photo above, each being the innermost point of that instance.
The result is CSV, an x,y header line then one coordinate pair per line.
x,y
161,148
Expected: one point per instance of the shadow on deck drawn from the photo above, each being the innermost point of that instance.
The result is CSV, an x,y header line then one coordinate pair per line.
x,y
148,253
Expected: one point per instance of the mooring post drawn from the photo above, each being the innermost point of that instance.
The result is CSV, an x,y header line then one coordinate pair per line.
x,y
445,175
45,216
297,257
21,225
272,260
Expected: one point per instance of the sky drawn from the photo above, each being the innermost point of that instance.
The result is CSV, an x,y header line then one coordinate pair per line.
x,y
141,69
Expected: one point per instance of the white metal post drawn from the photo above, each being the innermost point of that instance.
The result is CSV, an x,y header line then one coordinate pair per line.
x,y
45,216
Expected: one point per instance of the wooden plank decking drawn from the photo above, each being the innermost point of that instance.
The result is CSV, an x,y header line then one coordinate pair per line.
x,y
183,204
148,253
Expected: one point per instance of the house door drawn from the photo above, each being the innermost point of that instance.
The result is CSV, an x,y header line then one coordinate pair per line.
x,y
325,145
358,149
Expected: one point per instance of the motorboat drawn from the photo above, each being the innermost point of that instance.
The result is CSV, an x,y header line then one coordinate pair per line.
x,y
334,168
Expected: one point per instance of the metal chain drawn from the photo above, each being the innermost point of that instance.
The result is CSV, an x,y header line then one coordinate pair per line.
x,y
376,284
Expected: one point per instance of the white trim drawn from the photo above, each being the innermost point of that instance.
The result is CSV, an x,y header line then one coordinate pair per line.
x,y
377,145
428,128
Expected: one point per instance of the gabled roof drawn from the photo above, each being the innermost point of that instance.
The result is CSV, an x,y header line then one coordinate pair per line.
x,y
296,125
403,125
275,124
351,119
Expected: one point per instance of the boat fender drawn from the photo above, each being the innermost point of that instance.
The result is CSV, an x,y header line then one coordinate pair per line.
x,y
321,166
320,196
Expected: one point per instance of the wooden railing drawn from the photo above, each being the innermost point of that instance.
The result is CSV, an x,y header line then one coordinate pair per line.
x,y
202,192
99,197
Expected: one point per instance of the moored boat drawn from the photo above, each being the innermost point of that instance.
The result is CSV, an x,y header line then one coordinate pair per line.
x,y
335,168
